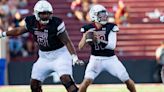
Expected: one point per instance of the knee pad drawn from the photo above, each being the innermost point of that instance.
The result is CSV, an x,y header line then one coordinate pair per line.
x,y
68,82
36,86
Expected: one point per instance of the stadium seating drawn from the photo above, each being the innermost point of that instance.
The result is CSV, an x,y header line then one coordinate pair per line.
x,y
139,40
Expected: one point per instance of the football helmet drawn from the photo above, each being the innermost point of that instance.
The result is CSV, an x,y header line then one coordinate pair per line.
x,y
98,13
41,8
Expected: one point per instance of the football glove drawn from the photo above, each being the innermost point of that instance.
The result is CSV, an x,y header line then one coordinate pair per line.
x,y
2,34
76,60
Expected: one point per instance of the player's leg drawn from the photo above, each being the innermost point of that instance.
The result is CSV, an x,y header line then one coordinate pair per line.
x,y
40,71
116,68
85,84
68,83
93,69
130,85
35,85
162,74
63,66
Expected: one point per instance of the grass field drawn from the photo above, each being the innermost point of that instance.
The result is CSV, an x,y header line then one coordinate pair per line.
x,y
92,88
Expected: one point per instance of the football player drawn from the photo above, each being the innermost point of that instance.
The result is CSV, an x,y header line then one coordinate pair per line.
x,y
102,50
160,59
56,51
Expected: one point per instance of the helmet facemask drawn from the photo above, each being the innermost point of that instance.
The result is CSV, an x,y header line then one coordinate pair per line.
x,y
44,17
102,17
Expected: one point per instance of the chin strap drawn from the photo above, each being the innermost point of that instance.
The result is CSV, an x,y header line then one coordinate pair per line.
x,y
44,22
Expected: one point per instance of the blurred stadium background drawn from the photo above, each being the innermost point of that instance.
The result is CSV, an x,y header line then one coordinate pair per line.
x,y
136,47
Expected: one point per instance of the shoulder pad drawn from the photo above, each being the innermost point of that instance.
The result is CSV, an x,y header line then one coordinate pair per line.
x,y
115,29
86,28
57,20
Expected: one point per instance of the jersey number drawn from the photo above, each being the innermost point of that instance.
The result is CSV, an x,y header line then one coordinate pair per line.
x,y
98,46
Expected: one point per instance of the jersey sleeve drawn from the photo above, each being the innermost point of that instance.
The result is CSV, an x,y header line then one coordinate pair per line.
x,y
88,27
27,23
115,28
61,27
112,39
111,36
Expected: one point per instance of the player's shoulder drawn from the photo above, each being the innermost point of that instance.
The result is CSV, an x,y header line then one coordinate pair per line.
x,y
86,27
112,26
30,18
56,20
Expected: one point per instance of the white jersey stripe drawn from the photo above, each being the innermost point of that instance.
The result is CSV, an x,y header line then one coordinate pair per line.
x,y
61,30
61,26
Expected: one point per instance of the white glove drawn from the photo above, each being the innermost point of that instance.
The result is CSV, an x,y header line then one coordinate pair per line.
x,y
2,34
76,60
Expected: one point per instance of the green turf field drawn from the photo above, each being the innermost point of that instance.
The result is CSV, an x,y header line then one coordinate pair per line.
x,y
92,88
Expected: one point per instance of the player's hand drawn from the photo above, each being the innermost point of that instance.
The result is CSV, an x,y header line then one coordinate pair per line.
x,y
76,60
1,34
91,37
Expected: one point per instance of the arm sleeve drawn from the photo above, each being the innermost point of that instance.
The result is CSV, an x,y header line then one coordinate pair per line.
x,y
26,22
112,38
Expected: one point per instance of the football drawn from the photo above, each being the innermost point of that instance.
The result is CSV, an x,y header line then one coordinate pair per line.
x,y
90,37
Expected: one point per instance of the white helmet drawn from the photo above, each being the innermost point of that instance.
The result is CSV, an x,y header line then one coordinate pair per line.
x,y
98,13
42,6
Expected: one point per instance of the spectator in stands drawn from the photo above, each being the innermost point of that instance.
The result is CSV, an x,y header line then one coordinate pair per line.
x,y
121,13
80,9
93,2
76,7
160,60
22,3
30,46
13,4
154,14
15,46
4,8
9,15
15,43
86,7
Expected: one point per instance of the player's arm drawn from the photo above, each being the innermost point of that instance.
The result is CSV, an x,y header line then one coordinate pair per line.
x,y
64,37
66,40
112,39
14,32
82,41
